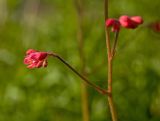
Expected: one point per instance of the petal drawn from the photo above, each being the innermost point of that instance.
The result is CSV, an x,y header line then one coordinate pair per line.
x,y
43,55
26,60
38,55
45,63
31,66
110,22
29,51
39,64
124,21
132,25
137,19
116,26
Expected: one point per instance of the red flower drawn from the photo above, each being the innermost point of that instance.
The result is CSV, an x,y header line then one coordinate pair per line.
x,y
130,22
35,59
124,21
155,26
114,24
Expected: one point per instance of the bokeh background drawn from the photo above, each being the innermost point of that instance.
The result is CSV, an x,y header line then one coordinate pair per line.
x,y
53,93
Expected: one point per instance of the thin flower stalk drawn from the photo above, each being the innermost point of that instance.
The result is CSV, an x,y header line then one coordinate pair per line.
x,y
88,82
109,68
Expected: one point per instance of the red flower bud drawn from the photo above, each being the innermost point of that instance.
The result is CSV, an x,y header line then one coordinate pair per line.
x,y
130,22
35,59
110,22
113,23
155,26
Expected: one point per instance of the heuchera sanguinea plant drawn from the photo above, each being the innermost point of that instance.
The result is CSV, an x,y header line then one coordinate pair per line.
x,y
37,59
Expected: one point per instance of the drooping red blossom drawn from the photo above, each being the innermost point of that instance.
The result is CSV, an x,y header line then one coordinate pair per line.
x,y
130,22
114,24
155,26
124,21
35,59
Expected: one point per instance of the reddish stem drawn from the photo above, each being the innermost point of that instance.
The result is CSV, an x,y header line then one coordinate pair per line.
x,y
110,59
88,82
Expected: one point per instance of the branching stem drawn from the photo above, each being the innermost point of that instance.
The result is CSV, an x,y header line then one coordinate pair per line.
x,y
110,60
88,82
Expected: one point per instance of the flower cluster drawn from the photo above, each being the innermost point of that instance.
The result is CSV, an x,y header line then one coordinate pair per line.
x,y
124,21
35,59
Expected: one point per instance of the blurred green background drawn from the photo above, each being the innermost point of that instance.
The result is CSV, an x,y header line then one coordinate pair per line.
x,y
53,93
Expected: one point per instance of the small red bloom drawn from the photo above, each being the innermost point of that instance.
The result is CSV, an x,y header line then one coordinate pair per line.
x,y
155,26
114,24
130,22
35,59
110,22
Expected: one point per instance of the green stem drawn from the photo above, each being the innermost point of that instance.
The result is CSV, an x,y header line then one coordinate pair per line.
x,y
80,38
